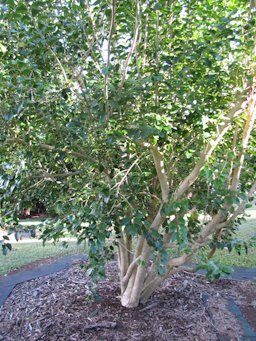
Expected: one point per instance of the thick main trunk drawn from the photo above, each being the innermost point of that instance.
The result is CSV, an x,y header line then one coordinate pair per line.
x,y
130,297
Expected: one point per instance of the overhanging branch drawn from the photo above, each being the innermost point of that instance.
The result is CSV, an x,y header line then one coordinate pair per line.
x,y
48,147
47,175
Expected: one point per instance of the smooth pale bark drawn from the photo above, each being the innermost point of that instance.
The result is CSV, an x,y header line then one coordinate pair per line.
x,y
140,281
136,274
139,277
222,129
131,296
250,119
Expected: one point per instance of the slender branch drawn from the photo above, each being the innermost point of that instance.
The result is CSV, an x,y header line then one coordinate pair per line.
x,y
96,35
106,81
133,46
125,175
162,177
48,147
139,246
125,247
206,153
214,247
220,221
60,64
123,257
234,143
157,60
242,206
47,175
250,119
145,41
32,186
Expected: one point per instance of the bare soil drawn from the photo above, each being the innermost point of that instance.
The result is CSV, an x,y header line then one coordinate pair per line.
x,y
58,307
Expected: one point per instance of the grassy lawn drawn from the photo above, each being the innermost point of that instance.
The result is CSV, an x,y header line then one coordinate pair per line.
x,y
25,253
245,232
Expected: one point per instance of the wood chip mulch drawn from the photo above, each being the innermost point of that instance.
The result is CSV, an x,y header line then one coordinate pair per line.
x,y
186,307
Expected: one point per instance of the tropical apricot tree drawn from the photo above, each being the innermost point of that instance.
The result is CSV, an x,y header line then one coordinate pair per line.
x,y
133,123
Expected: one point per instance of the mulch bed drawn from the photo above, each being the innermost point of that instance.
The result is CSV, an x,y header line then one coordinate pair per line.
x,y
57,307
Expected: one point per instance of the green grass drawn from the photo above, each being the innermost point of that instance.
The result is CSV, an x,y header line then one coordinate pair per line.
x,y
245,232
25,253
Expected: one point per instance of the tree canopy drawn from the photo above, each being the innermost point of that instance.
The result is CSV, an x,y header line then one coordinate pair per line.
x,y
130,121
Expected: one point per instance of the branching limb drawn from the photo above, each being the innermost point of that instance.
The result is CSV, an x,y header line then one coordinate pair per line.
x,y
162,177
49,148
126,175
60,64
106,81
130,271
250,119
206,153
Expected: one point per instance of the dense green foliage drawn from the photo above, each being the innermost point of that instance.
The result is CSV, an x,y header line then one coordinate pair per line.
x,y
86,86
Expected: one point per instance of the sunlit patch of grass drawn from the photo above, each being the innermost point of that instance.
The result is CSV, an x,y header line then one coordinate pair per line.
x,y
245,232
25,253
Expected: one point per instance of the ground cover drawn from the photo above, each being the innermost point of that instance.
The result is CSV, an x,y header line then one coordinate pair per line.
x,y
185,307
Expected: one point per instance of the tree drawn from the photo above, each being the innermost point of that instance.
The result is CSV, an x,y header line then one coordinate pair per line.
x,y
130,121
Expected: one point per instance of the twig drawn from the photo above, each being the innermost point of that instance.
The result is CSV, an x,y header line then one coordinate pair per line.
x,y
21,326
126,174
133,46
107,325
47,175
60,64
150,306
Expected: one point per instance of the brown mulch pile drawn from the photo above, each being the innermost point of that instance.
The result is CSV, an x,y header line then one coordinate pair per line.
x,y
56,307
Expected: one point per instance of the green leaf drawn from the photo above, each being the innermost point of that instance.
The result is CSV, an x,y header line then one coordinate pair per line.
x,y
105,70
158,6
9,246
21,7
161,270
4,250
17,235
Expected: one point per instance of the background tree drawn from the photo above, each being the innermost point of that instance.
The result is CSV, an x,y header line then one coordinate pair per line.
x,y
130,121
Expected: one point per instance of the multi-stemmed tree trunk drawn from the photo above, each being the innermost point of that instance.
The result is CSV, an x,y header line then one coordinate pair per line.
x,y
139,277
